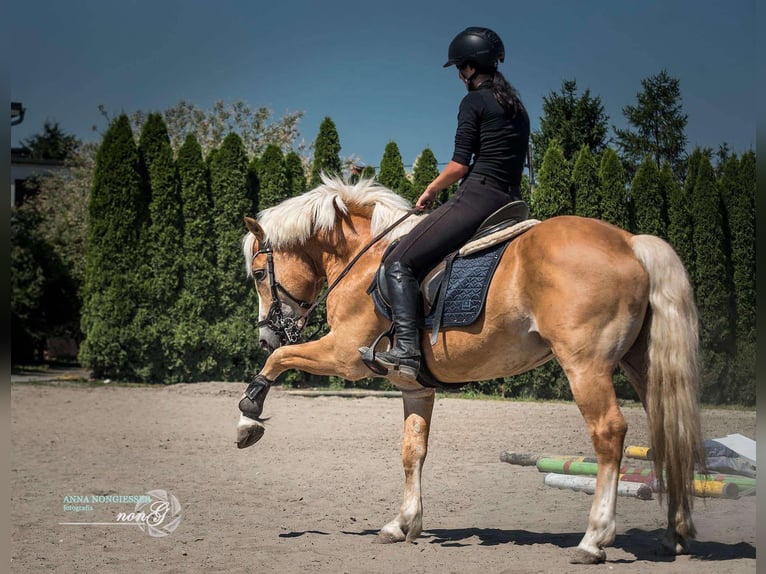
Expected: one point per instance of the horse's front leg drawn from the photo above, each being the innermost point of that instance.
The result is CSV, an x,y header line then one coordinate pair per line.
x,y
418,406
320,357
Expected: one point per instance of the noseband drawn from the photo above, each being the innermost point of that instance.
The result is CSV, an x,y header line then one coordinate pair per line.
x,y
288,329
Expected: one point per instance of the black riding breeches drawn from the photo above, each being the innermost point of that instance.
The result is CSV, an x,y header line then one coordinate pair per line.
x,y
449,226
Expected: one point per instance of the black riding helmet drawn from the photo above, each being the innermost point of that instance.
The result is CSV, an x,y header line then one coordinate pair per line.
x,y
480,46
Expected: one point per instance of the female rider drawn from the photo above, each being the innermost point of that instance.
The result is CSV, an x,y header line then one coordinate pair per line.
x,y
491,144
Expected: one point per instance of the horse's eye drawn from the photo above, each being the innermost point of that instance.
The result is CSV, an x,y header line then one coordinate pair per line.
x,y
259,274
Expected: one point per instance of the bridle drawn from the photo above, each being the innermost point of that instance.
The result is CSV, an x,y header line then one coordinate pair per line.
x,y
289,329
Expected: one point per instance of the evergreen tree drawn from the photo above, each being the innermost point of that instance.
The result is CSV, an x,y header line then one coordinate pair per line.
x,y
272,176
160,272
585,187
236,346
657,125
198,262
614,202
197,307
424,172
649,212
231,200
27,288
572,120
710,282
552,195
368,172
117,210
669,186
680,223
680,219
254,184
742,223
392,174
326,153
52,143
296,177
163,242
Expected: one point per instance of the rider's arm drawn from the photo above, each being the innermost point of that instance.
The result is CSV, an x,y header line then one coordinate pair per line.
x,y
451,173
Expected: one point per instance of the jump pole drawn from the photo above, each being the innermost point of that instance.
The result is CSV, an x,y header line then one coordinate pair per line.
x,y
587,484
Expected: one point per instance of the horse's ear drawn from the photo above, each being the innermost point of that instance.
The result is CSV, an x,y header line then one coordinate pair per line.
x,y
255,228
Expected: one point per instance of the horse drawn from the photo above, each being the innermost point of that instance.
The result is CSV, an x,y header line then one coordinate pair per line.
x,y
581,290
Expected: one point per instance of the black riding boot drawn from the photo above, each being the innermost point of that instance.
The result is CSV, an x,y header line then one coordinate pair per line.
x,y
403,291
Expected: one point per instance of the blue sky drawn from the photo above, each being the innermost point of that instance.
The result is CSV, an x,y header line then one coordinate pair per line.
x,y
376,68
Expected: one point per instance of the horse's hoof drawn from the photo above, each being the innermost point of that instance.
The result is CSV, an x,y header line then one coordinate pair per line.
x,y
675,546
389,536
581,556
249,431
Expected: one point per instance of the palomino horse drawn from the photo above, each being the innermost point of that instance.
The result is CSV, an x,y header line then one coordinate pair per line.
x,y
585,292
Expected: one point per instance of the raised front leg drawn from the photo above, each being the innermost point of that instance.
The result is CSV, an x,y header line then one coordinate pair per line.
x,y
418,406
320,357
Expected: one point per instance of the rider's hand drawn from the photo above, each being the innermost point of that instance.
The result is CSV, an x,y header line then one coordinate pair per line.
x,y
426,200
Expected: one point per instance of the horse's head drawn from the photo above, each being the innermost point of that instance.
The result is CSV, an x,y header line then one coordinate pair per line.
x,y
287,283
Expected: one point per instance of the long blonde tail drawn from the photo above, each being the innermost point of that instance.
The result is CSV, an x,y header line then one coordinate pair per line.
x,y
673,373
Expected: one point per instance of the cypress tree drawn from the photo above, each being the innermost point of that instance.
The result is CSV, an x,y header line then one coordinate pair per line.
x,y
742,223
326,153
368,172
669,185
117,212
727,176
585,186
392,174
296,177
552,195
679,221
166,223
161,272
680,217
254,184
424,172
648,203
614,204
197,304
711,280
231,200
234,342
272,177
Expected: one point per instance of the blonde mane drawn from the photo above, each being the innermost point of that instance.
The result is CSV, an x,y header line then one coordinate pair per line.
x,y
295,220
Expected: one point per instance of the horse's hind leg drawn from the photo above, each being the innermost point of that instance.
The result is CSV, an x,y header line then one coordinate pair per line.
x,y
418,406
594,392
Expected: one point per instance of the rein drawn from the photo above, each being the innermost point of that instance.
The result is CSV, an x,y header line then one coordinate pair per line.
x,y
289,329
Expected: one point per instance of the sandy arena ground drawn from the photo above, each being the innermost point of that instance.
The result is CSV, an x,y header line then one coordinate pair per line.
x,y
312,494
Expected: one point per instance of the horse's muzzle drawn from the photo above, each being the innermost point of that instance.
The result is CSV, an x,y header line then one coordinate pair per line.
x,y
264,344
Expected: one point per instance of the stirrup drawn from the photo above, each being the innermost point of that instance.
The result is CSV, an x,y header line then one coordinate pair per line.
x,y
368,353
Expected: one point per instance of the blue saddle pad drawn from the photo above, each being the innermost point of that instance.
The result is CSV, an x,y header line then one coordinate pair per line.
x,y
467,287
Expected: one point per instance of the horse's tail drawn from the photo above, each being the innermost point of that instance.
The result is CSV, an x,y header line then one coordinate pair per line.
x,y
672,377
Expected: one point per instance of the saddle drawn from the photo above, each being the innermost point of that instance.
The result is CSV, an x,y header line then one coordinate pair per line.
x,y
454,291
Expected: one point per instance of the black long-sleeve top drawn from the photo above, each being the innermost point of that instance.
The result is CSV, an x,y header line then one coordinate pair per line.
x,y
485,133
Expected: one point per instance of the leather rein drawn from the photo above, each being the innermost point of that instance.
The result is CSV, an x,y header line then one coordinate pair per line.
x,y
289,329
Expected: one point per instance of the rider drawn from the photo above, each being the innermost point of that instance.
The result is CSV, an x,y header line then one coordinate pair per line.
x,y
493,131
